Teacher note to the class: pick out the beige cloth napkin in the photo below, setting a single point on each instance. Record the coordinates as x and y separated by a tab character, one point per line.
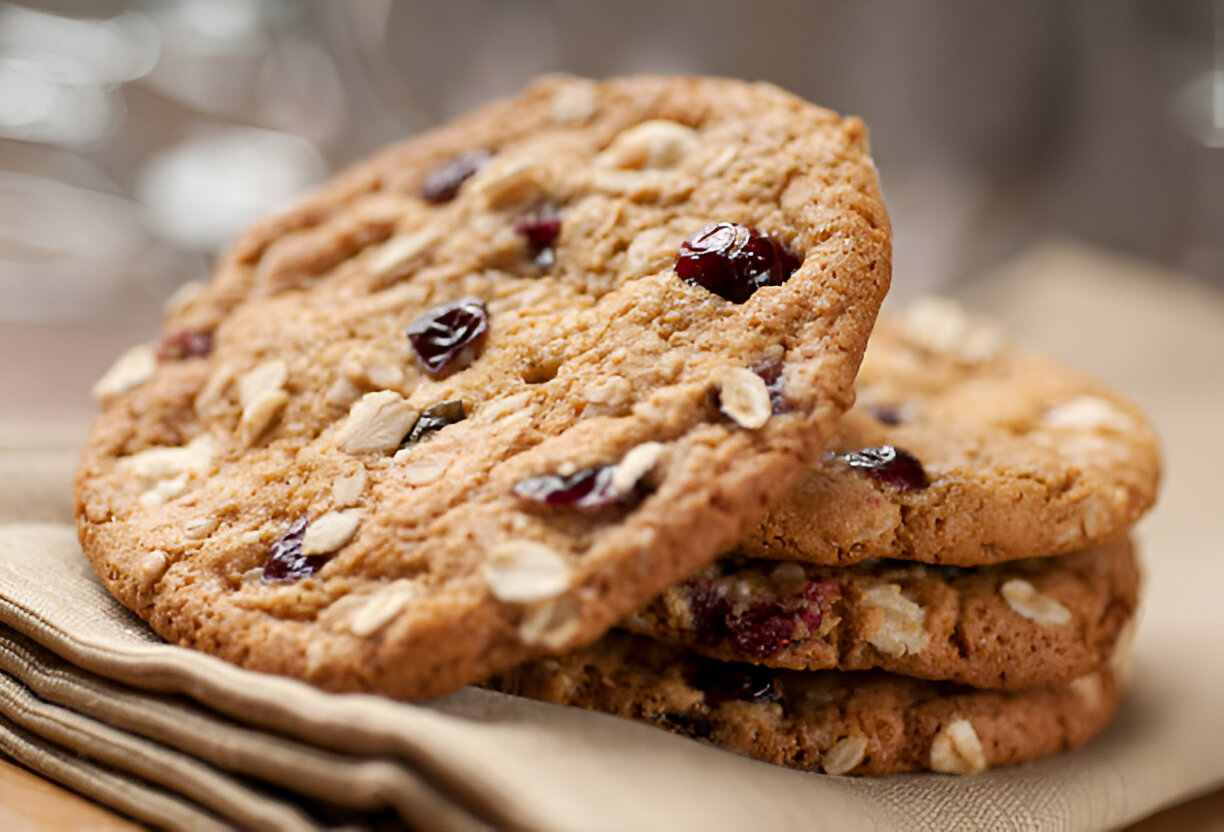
89	697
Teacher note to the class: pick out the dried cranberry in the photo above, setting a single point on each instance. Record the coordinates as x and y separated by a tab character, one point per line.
540	228
448	337
761	628
770	372
434	419
886	414
889	465
819	596
722	682
286	561
442	183
183	343
733	261
587	490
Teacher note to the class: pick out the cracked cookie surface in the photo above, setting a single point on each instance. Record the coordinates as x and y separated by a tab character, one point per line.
1040	621
964	450
458	408
866	722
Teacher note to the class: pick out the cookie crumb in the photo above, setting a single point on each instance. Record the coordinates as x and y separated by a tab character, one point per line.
163	473
943	327
506	181
131	369
200	527
263	378
522	570
636	464
330	532
260	413
654	144
1120	661
743	396
398	250
1088	413
182	296
422	472
377	422
1028	603
372	368
956	749
901	627
1090	689
347	490
152	566
845	754
551	622
382	607
574	102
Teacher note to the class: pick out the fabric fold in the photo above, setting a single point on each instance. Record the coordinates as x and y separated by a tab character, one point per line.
126	794
350	782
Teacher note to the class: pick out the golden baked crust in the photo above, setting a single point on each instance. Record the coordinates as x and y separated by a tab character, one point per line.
1023	456
267	440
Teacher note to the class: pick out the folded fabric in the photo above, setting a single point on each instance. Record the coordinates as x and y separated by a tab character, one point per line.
153	718
186	749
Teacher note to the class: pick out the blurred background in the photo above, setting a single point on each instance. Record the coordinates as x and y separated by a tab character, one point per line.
137	138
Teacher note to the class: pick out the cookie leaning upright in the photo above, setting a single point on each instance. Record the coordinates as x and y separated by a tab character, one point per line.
466	405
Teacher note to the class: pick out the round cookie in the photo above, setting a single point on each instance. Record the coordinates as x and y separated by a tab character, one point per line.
491	390
867	722
1025	623
1008	455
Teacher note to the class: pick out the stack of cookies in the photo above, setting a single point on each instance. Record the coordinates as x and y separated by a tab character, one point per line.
951	587
493	406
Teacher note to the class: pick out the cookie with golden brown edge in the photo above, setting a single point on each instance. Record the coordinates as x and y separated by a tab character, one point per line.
866	722
491	390
964	450
1020	624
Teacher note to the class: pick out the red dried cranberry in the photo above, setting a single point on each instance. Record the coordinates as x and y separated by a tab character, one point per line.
587	490
442	183
448	337
733	261
770	372
434	418
819	596
541	228
722	682
286	561
886	414
889	465
183	343
761	628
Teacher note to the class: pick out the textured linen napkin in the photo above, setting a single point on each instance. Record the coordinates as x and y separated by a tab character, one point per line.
91	698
